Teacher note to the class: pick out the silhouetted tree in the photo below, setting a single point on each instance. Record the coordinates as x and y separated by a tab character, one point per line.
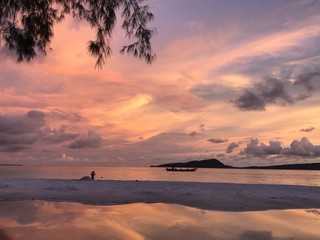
26	26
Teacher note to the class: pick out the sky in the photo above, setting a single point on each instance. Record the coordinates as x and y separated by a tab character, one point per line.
235	80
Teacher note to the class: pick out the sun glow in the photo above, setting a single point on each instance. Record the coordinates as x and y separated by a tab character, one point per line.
132	104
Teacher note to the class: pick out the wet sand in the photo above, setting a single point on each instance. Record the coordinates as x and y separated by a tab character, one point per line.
210	196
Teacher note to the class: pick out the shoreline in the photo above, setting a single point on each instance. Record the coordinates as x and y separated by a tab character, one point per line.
207	196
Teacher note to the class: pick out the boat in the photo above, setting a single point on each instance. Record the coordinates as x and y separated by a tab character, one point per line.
180	169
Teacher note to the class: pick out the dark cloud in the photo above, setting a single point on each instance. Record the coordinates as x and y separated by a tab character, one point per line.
305	78
193	133
231	147
17	142
22	132
52	135
255	148
256	235
89	140
292	84
302	148
18	132
273	90
309	129
249	101
220	155
302	97
217	140
28	123
270	91
200	129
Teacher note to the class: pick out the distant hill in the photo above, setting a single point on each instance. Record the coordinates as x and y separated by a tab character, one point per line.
303	166
214	163
8	164
209	163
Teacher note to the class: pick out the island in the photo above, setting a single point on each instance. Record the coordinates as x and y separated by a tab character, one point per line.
208	163
10	165
215	163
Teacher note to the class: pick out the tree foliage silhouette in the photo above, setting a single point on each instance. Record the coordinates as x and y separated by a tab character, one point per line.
26	26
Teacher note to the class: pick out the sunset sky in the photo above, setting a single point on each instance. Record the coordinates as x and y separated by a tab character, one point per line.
236	80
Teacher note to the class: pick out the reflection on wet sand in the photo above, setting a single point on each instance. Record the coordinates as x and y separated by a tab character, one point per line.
4	235
49	220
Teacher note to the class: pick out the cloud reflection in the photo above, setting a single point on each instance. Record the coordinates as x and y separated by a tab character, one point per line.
49	220
4	235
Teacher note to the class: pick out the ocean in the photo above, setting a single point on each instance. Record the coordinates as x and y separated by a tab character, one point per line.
249	176
66	220
51	221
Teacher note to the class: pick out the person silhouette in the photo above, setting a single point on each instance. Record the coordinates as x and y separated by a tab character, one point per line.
92	175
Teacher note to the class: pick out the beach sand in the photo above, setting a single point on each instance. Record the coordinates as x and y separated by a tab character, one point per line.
210	196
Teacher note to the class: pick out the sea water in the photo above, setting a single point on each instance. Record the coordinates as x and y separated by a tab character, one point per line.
38	220
250	176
